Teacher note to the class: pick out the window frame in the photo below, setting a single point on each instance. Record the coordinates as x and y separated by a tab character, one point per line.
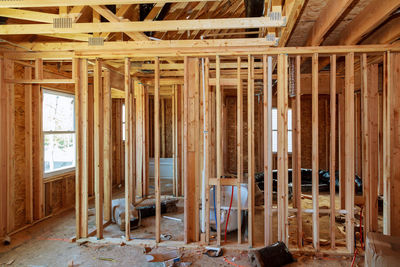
52	174
289	130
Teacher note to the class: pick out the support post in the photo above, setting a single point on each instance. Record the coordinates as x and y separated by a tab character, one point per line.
349	150
129	194
219	145
239	147
267	151
250	144
98	147
332	165
206	149
107	110
315	152
191	135
157	145
297	160
282	103
80	73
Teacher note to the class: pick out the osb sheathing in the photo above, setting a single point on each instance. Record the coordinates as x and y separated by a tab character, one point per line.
62	197
168	128
19	150
118	148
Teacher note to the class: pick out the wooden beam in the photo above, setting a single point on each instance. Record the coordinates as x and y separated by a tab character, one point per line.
239	144
282	104
332	164
58	3
146	142
82	134
98	147
41	81
174	141
142	49
71	36
315	153
326	19
293	10
139	26
297	160
250	149
386	34
77	11
39	69
206	148
372	16
28	15
157	146
191	148
342	161
154	11
132	136
267	150
111	17
139	88
129	193
386	94
108	151
349	150
219	154
121	11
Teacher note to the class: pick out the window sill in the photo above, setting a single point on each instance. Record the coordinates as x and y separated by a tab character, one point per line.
58	175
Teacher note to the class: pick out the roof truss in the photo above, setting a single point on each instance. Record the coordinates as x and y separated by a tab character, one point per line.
62	3
141	26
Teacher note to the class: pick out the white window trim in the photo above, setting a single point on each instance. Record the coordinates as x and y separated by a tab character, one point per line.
276	130
47	175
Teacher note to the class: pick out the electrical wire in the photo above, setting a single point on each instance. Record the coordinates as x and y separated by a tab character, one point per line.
354	258
229	212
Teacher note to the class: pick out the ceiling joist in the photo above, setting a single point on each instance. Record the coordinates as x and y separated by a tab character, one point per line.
106	13
60	3
28	15
370	18
143	26
328	17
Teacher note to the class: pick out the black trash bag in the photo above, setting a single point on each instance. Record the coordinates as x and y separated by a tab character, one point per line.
272	256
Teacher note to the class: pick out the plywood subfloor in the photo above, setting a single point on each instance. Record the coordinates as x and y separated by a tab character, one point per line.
47	244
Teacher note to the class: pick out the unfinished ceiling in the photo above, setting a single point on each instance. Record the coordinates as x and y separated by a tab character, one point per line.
286	23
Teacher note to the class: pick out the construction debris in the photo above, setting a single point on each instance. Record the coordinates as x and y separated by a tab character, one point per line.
213	252
168	258
172	218
118	214
275	255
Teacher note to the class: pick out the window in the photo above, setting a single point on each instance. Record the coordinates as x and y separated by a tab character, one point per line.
58	132
275	130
